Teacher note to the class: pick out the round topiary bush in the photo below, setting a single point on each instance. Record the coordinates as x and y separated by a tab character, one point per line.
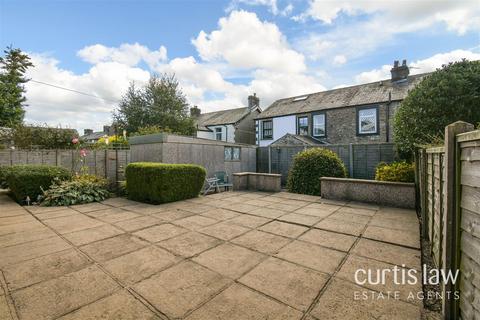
309	166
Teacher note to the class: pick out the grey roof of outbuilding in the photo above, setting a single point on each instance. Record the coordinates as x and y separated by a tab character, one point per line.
363	94
93	136
229	116
296	139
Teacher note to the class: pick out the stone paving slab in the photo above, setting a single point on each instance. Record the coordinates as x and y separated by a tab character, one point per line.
231	255
120	305
56	297
181	288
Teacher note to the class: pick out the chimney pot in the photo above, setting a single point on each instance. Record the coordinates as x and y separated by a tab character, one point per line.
399	72
253	101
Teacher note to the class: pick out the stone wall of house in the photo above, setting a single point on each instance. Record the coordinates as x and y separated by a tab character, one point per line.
245	130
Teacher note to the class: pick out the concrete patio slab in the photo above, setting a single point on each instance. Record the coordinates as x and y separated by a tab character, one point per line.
339	303
239	303
141	264
262	241
329	239
47	267
189	244
229	260
160	232
181	288
283	229
312	256
120	305
224	230
110	248
293	285
388	253
196	259
41	301
82	237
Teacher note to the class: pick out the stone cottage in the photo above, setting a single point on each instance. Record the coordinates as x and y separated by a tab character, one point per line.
357	114
232	125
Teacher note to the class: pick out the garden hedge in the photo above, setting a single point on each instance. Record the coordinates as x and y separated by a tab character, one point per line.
160	183
29	180
4	171
309	166
396	172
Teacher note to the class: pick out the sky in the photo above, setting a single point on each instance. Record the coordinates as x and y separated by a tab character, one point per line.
222	51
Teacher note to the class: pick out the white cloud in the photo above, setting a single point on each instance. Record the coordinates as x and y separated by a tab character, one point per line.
339	59
378	23
272	6
55	106
243	41
129	54
420	66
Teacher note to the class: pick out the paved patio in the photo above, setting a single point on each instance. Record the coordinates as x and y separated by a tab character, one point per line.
233	255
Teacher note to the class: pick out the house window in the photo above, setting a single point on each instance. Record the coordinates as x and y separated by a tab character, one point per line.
303	126
367	121
267	130
218	133
319	125
232	154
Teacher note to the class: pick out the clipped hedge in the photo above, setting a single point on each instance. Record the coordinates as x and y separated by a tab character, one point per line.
160	183
309	166
4	172
29	180
396	172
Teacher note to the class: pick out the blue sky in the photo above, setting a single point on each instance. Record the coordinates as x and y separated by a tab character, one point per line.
223	50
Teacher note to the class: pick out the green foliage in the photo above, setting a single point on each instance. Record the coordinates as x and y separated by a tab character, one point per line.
4	172
396	172
29	180
309	166
42	137
447	95
160	183
160	103
81	189
113	142
143	131
12	91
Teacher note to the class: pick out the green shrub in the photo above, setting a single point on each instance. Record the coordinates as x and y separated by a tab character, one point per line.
309	166
81	189
396	171
160	183
29	180
4	171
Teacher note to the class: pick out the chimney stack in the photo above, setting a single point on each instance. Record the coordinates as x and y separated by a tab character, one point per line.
87	131
253	101
399	72
195	112
106	129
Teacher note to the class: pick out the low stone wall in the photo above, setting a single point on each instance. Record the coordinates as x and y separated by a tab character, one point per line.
257	181
394	194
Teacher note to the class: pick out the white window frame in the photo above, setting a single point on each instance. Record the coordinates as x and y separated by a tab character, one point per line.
217	132
361	117
323	124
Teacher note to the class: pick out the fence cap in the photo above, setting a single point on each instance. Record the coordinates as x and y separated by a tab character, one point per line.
256	174
350	180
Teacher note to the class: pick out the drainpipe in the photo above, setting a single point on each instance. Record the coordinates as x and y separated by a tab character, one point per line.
226	133
387	124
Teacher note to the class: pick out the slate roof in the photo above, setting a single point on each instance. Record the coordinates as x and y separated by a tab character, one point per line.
229	116
296	139
363	94
93	136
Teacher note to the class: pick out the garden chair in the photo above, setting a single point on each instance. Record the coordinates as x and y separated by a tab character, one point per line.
212	183
222	177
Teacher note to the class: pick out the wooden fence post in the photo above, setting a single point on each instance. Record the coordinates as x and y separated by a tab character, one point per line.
350	160
449	244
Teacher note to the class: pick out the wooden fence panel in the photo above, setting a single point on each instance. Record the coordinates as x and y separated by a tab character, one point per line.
105	163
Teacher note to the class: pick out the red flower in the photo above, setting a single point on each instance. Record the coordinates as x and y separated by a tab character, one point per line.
83	153
75	140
